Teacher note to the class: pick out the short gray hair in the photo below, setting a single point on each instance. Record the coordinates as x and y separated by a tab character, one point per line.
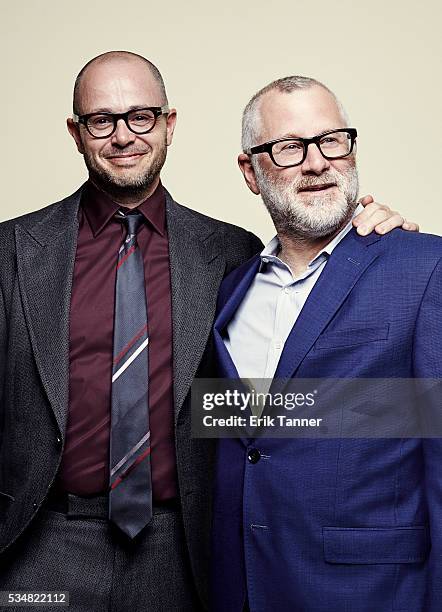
127	55
250	117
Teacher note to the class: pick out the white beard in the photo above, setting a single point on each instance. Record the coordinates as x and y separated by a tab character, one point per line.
311	215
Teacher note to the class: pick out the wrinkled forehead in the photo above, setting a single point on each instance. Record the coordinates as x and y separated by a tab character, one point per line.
303	113
118	85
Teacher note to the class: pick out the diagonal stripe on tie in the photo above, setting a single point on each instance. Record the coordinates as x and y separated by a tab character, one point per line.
129	345
127	363
126	256
126	473
132	451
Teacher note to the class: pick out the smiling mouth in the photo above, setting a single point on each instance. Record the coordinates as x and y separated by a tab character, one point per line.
318	187
126	156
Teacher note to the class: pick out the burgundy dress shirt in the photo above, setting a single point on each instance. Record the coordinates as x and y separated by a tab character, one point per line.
84	469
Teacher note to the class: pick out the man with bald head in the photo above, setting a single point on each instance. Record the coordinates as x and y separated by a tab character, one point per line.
126	166
107	300
106	304
311	517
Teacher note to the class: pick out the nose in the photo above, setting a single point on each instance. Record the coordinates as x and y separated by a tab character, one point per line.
122	135
314	163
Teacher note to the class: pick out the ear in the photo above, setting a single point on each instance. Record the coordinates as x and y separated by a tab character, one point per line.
245	165
74	131
170	125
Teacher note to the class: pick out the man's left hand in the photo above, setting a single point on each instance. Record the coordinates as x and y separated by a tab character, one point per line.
380	218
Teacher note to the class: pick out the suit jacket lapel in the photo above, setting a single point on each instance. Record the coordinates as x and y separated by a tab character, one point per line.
197	267
45	263
229	304
347	263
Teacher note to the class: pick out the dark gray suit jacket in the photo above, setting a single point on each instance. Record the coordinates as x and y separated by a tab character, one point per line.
37	254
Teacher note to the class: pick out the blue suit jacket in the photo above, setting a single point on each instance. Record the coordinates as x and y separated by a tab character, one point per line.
339	525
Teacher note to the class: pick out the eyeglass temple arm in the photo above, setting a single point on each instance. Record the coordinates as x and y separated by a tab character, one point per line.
258	149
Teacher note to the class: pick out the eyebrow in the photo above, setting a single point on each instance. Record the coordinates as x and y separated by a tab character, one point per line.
293	135
112	112
290	135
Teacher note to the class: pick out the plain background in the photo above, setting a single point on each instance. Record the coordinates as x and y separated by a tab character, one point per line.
382	58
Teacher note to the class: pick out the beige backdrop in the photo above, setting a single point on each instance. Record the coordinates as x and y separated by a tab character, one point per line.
382	57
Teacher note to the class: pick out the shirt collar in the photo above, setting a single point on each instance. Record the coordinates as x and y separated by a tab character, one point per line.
99	208
270	252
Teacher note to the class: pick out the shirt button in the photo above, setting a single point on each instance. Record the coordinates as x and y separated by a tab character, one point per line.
265	260
286	290
278	346
253	455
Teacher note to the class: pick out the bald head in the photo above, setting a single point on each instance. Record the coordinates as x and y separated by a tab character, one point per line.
123	62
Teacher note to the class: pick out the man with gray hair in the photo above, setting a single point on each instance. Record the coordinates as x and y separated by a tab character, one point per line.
285	200
302	523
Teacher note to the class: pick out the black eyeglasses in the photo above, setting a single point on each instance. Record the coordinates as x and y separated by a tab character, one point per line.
289	152
138	121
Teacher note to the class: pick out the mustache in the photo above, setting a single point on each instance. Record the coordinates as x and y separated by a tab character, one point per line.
312	181
125	151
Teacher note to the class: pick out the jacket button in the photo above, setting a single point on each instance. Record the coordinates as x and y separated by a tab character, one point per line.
253	455
35	505
58	442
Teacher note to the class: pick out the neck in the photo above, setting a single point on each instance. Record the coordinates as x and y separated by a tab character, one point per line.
298	251
129	198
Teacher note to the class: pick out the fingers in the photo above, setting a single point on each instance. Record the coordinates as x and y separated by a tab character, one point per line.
384	227
369	209
368	199
410	226
380	218
375	214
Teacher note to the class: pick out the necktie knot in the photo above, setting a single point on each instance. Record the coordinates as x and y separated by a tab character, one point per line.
133	221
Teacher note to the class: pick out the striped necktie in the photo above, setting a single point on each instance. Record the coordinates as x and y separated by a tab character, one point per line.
130	483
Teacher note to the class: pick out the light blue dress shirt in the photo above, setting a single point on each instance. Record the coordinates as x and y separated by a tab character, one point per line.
257	333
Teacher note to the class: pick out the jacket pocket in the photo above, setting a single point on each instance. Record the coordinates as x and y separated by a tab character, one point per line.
365	545
349	337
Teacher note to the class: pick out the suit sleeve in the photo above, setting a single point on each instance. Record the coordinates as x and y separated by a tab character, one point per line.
427	359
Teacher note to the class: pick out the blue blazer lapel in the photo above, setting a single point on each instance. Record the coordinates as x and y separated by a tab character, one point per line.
347	263
231	295
233	289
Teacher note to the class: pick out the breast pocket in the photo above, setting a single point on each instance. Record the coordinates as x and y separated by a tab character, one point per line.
351	336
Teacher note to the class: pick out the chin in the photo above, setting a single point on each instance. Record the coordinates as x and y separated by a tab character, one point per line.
126	178
316	218
320	200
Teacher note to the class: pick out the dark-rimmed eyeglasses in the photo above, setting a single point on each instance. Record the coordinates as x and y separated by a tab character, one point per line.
138	121
289	152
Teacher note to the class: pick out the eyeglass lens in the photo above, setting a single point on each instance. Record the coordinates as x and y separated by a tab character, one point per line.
289	152
139	121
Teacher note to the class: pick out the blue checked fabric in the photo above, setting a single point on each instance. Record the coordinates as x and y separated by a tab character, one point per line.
130	483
